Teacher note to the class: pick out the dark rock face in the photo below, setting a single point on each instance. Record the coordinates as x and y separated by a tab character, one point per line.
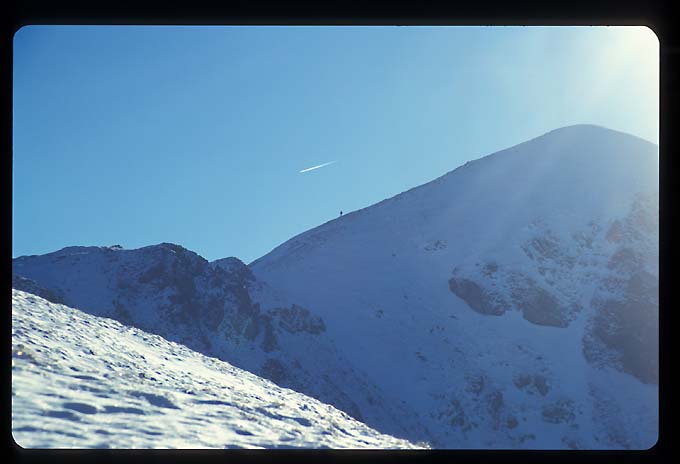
623	331
456	415
615	232
541	385
559	411
543	247
269	342
521	381
475	296
475	384
240	273
532	384
628	329
496	406
298	319
192	300
211	299
625	260
538	306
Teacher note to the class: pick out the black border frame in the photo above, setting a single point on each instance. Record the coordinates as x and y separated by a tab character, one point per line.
656	15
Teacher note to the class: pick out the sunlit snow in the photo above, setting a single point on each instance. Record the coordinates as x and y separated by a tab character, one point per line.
80	381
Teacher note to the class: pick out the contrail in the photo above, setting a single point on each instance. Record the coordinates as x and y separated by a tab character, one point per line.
319	166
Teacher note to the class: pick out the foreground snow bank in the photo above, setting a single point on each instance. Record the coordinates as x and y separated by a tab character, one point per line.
80	381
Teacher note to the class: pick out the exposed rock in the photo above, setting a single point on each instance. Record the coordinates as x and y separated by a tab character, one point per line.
541	385
625	260
475	384
522	381
623	330
490	269
495	400
456	415
559	411
526	437
298	319
532	384
496	405
435	245
236	269
538	306
476	297
269	342
615	232
543	247
630	329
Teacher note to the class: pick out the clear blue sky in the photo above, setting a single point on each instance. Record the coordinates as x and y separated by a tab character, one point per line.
196	135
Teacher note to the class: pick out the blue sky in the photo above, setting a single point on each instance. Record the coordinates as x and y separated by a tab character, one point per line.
197	135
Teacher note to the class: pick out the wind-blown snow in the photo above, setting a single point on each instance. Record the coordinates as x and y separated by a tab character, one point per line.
81	381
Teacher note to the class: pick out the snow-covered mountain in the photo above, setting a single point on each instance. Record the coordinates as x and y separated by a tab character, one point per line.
218	309
82	381
511	303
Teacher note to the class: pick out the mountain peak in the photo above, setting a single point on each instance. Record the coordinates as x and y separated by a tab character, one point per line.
234	266
588	132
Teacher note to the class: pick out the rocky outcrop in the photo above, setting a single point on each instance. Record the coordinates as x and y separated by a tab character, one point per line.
297	319
519	292
559	411
538	306
532	384
623	331
476	297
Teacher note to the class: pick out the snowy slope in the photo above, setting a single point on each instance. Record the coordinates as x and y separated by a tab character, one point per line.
218	309
81	381
512	302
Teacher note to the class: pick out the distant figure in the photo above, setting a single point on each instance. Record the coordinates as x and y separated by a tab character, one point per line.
340	213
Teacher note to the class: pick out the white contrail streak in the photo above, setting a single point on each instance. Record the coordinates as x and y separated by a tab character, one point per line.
319	166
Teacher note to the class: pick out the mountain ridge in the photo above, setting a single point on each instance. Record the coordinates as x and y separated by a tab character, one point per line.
592	128
453	312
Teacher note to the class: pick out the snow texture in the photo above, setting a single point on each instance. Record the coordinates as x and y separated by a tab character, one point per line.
81	381
536	266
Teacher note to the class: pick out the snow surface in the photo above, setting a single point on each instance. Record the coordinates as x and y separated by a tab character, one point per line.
218	309
531	219
81	381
